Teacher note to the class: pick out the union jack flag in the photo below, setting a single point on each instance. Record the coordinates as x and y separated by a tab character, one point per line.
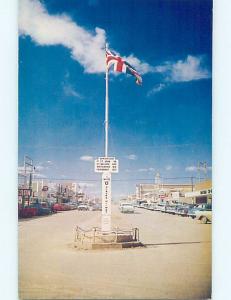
119	65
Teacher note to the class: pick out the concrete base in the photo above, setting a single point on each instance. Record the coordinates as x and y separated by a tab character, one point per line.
116	245
96	239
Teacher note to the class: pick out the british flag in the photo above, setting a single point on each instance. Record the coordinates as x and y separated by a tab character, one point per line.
119	65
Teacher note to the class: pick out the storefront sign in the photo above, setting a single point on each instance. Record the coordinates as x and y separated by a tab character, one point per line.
24	192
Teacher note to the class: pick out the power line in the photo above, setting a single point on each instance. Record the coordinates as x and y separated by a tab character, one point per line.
119	180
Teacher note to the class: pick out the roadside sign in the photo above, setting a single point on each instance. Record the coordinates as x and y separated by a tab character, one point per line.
106	164
24	192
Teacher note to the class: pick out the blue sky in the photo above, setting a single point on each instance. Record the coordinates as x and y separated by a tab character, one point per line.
163	125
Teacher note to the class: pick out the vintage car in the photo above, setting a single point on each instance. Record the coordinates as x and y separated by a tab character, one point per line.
41	209
201	207
72	205
204	215
170	209
83	207
127	208
61	207
96	207
152	206
26	212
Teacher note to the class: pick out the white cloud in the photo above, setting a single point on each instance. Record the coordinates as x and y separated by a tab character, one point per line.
131	157
44	165
156	89
168	168
39	168
191	169
86	158
142	170
141	67
39	175
192	68
83	185
146	170
86	47
47	30
71	92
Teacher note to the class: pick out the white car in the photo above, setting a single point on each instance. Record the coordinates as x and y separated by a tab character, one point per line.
127	208
83	207
204	216
159	207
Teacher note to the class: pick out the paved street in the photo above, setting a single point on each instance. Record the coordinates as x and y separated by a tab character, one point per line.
176	264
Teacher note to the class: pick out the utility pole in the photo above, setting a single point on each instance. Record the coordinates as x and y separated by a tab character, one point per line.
28	162
192	183
202	166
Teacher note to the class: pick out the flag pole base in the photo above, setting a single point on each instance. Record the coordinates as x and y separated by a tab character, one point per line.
95	238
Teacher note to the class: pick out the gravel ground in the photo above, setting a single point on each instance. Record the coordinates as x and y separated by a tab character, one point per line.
176	264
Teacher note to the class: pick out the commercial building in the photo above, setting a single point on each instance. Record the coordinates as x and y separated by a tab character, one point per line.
193	192
161	192
202	193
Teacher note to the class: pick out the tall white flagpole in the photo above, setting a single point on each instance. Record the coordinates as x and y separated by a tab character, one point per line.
106	176
106	109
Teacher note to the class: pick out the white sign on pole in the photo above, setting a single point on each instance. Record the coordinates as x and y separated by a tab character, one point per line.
106	202
106	164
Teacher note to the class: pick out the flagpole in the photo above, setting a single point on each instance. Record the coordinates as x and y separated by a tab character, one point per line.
106	110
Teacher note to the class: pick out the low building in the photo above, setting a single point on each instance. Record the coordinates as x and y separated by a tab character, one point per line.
160	192
202	193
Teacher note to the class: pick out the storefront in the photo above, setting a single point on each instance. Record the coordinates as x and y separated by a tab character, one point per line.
202	193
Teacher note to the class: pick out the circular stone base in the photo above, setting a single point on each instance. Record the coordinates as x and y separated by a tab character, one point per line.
116	239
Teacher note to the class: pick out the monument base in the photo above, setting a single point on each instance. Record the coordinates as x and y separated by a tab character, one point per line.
94	239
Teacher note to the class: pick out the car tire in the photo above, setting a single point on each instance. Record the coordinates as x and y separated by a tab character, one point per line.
203	220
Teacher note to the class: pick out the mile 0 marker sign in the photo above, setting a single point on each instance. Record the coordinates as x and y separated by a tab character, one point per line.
106	164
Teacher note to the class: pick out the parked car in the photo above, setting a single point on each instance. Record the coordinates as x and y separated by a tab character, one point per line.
170	209
143	204
159	207
152	206
127	208
83	207
164	208
26	212
60	207
204	215
72	205
183	209
179	209
201	207
41	210
96	207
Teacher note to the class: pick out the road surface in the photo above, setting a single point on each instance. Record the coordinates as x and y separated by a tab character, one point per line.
176	263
